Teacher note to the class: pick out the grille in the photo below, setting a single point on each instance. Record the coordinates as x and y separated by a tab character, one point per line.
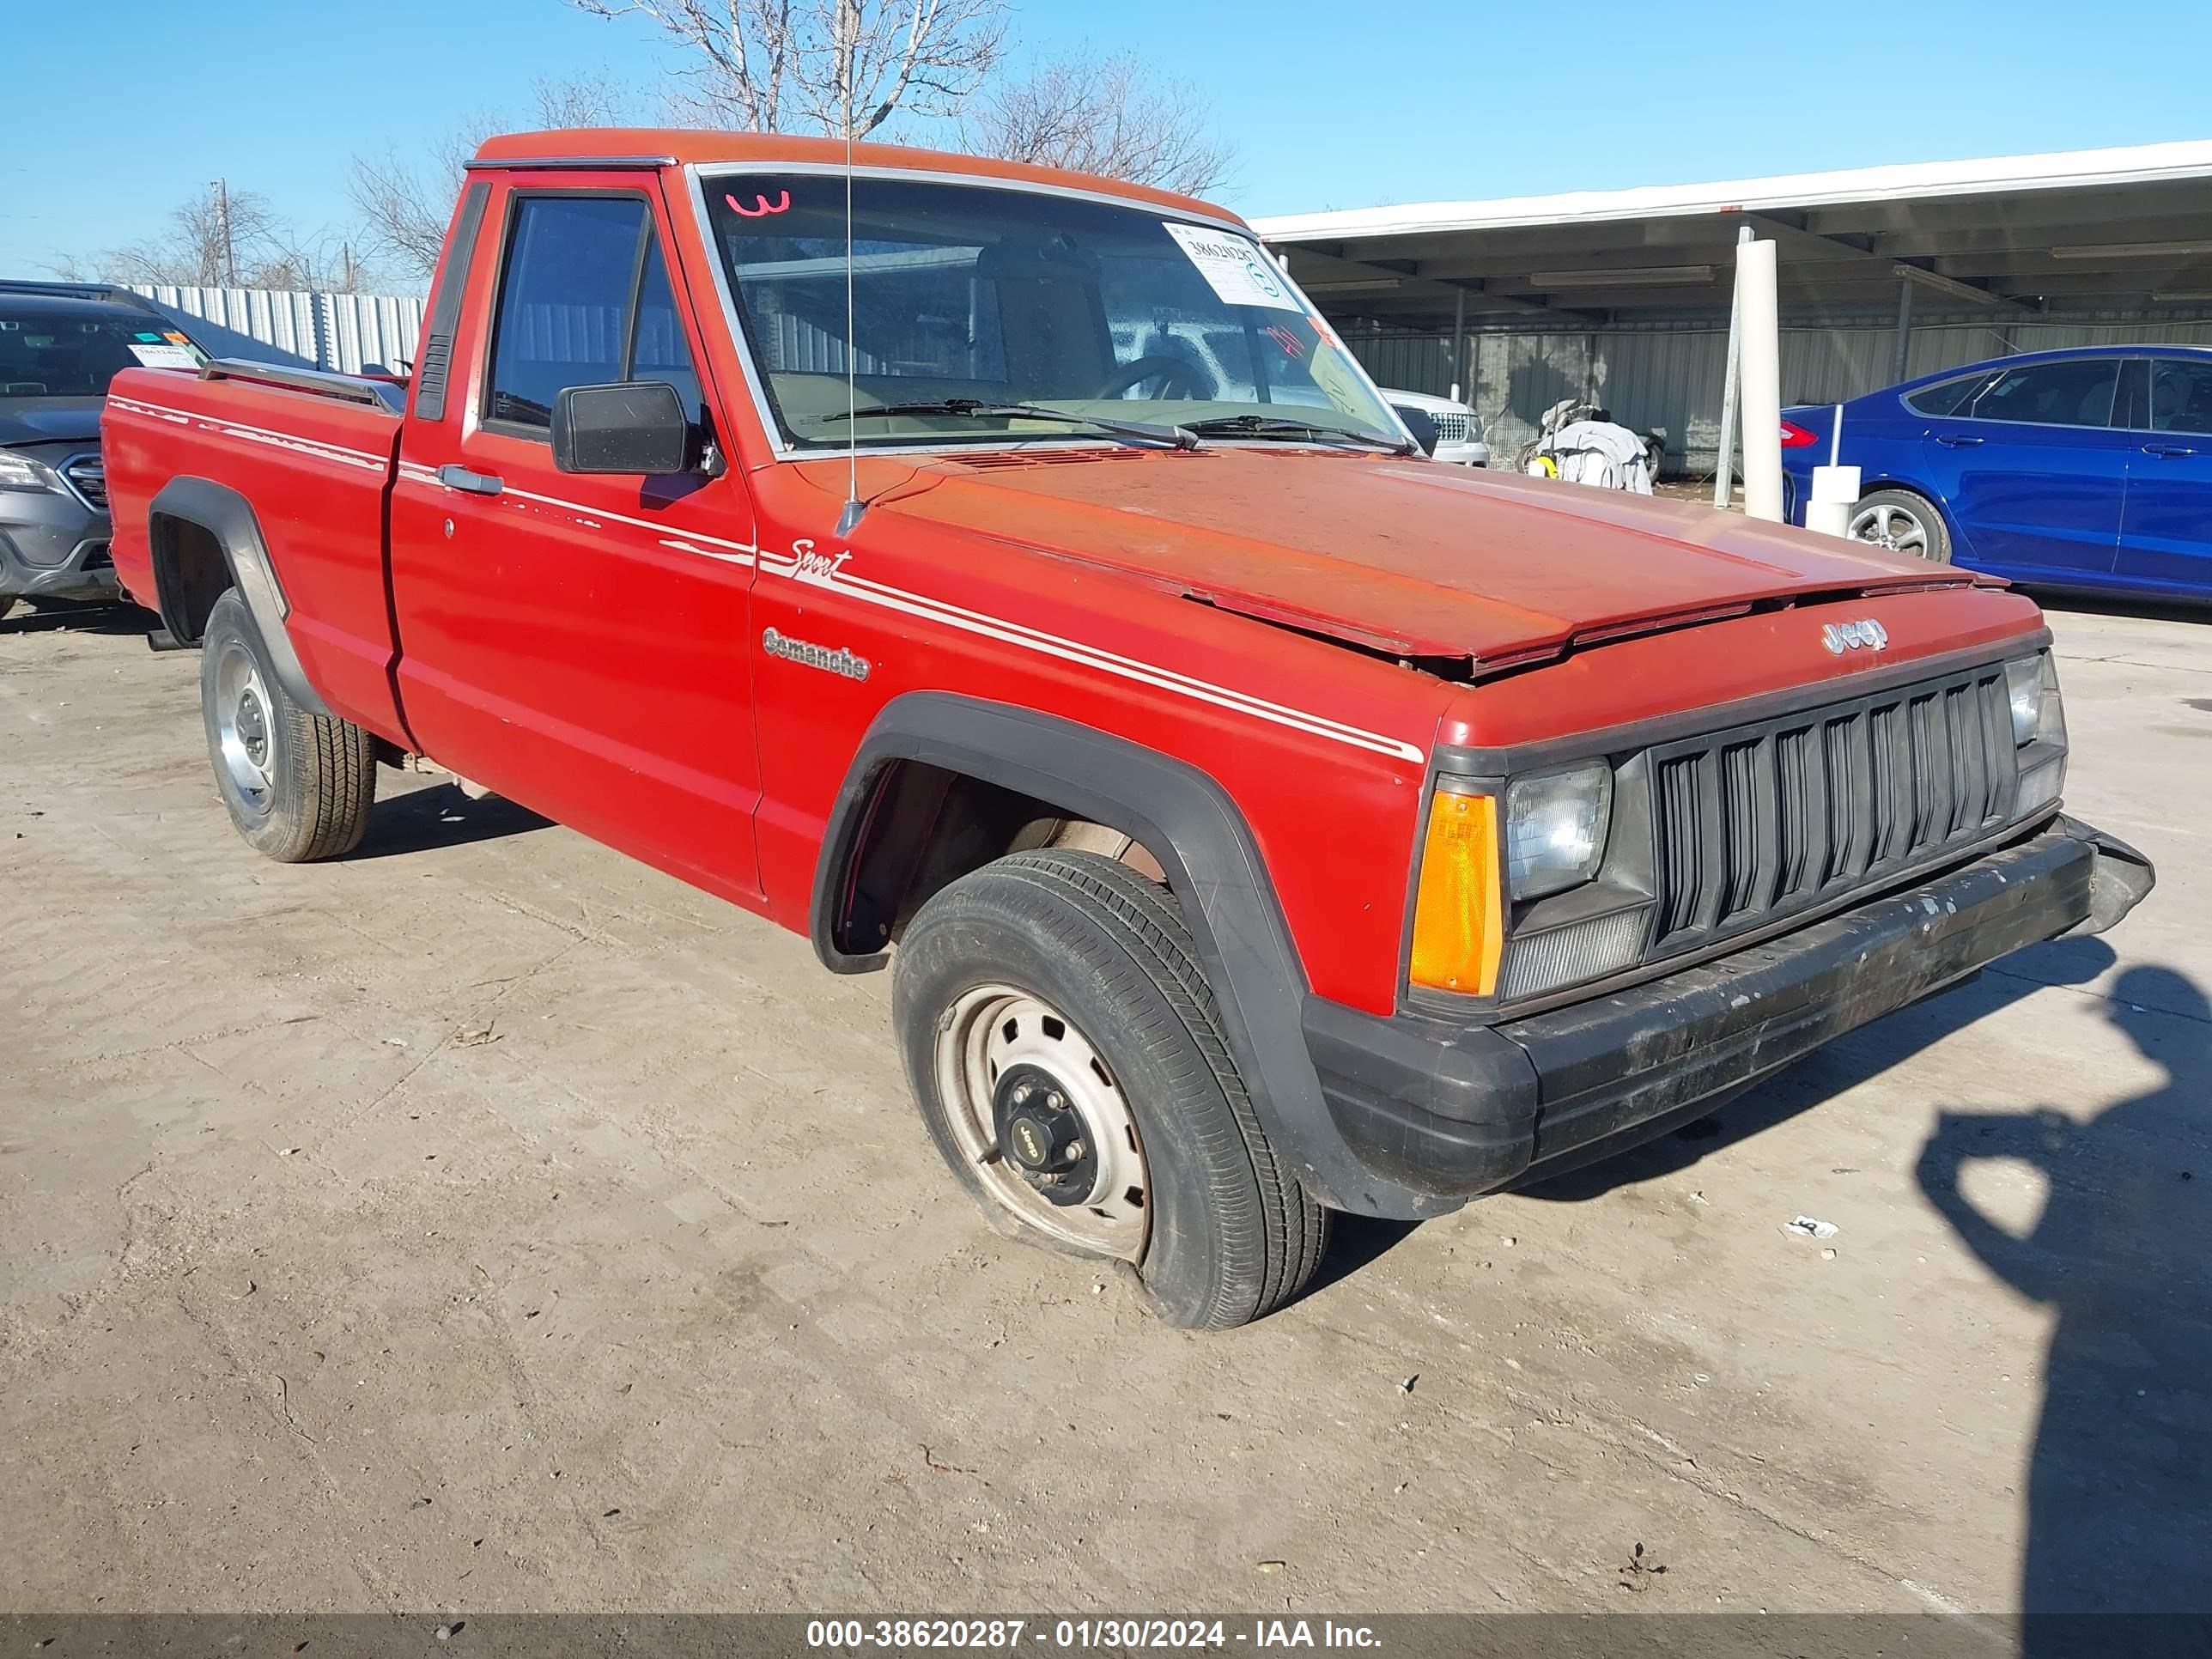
1752	823
97	557
89	479
1452	429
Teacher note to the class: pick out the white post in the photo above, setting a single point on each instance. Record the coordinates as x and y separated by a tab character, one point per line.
1723	483
1762	381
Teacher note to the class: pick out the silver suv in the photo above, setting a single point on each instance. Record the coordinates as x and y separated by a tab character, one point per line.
59	345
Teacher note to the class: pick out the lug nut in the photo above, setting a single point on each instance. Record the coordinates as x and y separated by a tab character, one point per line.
1075	1152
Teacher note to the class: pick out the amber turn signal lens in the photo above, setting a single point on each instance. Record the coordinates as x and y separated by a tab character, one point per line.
1458	928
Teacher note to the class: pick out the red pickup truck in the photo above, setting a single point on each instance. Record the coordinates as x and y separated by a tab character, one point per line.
1009	576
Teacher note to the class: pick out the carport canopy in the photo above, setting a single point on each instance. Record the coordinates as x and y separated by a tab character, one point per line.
2020	236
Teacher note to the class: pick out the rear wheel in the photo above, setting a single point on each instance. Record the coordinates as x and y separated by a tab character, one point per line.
299	786
1063	1044
1901	521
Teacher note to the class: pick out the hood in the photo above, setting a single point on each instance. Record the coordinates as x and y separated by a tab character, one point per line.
49	420
1403	558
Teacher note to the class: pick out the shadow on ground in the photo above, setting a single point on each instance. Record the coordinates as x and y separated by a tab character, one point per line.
441	816
2118	1520
72	616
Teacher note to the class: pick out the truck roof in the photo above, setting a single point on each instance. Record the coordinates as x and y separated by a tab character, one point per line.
571	147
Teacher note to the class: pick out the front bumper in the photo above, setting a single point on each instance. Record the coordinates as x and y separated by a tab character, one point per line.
1449	1111
52	546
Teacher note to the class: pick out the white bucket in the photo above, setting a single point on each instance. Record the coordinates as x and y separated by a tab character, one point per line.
1835	483
1829	518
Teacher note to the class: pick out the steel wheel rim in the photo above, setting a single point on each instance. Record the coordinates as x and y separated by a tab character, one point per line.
245	728
986	1033
1886	525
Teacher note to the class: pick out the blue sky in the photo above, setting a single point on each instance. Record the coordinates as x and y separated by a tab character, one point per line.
1329	104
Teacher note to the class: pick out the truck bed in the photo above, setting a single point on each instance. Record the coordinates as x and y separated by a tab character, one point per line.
315	458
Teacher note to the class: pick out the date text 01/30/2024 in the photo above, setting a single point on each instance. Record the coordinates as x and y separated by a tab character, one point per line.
1260	1635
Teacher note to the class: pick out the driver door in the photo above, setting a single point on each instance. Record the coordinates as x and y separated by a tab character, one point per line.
578	643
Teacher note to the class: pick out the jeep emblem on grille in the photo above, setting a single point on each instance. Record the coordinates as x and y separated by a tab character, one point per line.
1868	635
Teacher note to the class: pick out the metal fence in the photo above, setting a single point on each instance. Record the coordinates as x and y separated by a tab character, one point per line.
1669	375
348	332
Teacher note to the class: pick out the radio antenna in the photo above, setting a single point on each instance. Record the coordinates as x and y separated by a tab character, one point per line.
854	507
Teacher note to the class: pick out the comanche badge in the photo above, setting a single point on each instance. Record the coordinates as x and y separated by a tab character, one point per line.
809	655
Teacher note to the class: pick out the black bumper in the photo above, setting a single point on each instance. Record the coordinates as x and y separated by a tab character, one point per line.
1450	1110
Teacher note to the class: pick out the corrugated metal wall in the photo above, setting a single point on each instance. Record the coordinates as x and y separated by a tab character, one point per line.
344	331
1669	375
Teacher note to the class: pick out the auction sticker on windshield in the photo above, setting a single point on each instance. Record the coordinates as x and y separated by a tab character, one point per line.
1233	268
161	354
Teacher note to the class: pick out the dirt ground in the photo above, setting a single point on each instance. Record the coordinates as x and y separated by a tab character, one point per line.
486	1221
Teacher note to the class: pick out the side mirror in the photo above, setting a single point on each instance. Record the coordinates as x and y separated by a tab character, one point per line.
632	426
1421	425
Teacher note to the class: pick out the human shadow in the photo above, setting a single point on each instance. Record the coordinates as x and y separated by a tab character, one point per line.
441	816
1848	1061
2119	1490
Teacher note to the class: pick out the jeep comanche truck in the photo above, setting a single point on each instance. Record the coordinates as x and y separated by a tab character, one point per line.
1259	819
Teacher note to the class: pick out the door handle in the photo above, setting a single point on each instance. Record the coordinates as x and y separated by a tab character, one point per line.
1958	440
477	484
2167	449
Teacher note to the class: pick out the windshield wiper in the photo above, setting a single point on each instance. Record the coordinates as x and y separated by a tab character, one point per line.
976	409
1269	426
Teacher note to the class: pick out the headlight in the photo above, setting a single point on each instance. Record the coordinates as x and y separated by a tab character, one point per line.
1555	828
21	472
2032	688
2024	686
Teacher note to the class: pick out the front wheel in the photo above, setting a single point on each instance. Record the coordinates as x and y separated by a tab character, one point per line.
1901	521
1063	1044
299	786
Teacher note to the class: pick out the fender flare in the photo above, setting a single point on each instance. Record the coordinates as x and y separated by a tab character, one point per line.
1214	869
229	518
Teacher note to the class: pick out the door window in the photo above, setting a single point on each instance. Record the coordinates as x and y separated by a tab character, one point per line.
2180	396
584	300
2076	393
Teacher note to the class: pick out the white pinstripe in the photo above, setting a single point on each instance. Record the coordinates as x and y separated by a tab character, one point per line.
789	568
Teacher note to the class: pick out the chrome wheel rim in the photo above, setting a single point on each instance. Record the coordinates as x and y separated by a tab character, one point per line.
1886	525
999	1049
245	729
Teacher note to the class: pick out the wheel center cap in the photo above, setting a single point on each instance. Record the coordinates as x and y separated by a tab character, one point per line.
1043	1134
1029	1141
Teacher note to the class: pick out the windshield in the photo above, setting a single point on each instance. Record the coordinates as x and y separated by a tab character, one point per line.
1017	296
52	352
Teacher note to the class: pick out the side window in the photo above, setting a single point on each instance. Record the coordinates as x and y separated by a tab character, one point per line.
659	350
1948	397
2077	394
584	300
2180	396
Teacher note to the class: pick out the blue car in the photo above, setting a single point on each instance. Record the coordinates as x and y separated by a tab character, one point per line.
2086	468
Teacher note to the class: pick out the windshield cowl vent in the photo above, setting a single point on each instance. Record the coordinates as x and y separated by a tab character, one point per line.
1004	458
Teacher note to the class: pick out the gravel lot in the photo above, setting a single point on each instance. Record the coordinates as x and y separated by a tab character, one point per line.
487	1222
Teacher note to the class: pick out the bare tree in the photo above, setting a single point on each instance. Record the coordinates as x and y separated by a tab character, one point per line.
1104	116
836	66
404	203
225	237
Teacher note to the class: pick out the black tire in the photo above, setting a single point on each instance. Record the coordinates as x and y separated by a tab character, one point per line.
318	773
1930	538
1231	1235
